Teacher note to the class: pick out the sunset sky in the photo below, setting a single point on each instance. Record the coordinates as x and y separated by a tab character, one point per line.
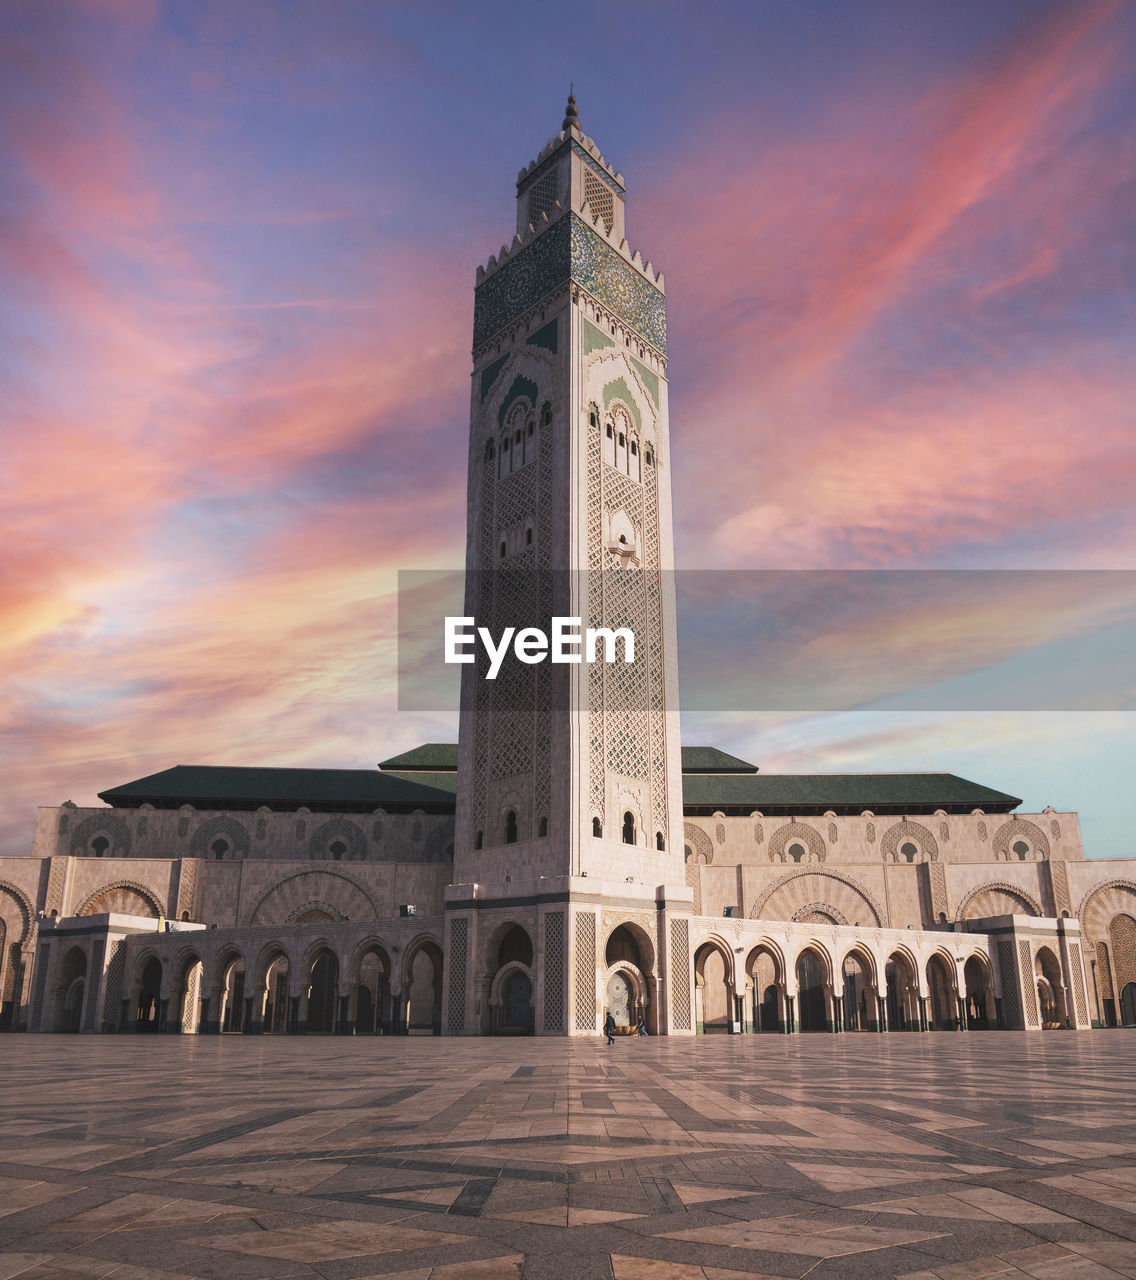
237	256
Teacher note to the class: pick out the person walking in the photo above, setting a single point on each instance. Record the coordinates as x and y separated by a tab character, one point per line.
609	1028
641	1027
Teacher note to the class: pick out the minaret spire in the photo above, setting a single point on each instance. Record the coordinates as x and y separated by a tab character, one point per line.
571	115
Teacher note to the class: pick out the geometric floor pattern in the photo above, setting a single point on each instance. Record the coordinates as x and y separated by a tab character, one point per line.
941	1156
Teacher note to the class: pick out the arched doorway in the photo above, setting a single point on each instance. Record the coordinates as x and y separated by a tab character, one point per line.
979	997
1128	1005
714	997
859	993
323	993
71	989
371	993
276	979
940	984
902	993
1050	990
186	992
511	1011
147	1013
422	990
629	957
233	997
811	1003
767	990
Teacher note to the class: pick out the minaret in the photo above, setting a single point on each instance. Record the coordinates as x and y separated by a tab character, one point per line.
567	772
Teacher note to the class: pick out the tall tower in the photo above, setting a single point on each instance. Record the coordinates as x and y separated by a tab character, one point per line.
569	775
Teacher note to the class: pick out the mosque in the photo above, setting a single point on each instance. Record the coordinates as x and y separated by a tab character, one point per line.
568	857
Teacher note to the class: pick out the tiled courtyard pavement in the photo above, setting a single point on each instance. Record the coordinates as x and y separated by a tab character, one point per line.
951	1156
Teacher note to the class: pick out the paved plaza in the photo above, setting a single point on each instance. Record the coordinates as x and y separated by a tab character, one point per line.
940	1155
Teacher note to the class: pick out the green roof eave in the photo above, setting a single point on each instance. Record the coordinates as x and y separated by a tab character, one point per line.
850	792
321	790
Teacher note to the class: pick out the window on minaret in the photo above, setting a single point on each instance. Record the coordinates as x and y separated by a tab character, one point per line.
478	839
544	826
511	827
628	828
610	431
503	549
660	844
597	827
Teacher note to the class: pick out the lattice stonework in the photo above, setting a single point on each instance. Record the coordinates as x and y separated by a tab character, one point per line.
938	877
476	601
596	788
599	195
1029	983
187	884
1122	933
1060	882
459	946
585	967
694	881
680	975
1104	977
115	975
1011	1009
94	982
542	196
189	1005
37	1010
56	879
554	971
1078	974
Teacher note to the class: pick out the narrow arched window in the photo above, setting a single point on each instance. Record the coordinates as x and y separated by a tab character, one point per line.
528	537
597	827
502	549
591	419
337	849
622	439
220	848
610	431
659	842
478	840
489	451
511	827
634	447
99	846
544	826
649	456
629	828
532	427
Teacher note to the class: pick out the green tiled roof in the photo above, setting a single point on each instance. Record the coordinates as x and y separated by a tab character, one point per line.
439	757
322	790
426	778
443	756
847	792
711	760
